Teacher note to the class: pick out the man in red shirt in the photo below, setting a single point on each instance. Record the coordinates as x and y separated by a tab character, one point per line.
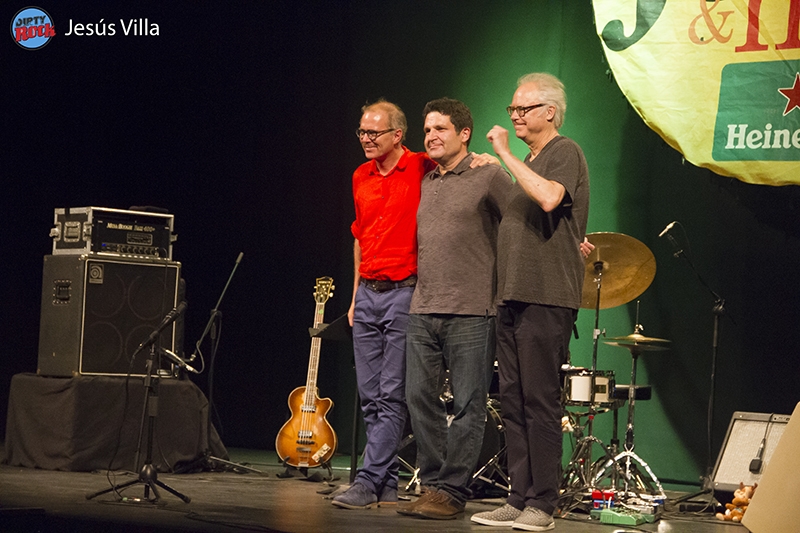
386	191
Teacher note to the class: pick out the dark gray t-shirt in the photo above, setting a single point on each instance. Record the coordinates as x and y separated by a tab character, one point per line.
538	253
457	221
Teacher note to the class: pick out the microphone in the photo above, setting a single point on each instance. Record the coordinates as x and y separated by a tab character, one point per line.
169	318
666	230
172	356
755	464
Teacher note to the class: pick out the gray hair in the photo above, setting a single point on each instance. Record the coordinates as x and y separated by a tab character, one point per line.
397	119
551	91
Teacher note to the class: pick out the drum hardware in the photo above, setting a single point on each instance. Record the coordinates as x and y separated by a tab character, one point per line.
413	483
492	470
625	465
491	465
446	394
619	269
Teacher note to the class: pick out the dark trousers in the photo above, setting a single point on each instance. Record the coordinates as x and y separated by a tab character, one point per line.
532	344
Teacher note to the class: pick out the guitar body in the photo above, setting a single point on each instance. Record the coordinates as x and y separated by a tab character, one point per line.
307	439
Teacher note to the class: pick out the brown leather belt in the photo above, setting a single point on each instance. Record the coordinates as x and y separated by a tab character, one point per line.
383	285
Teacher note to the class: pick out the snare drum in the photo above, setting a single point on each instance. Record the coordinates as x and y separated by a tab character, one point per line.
578	387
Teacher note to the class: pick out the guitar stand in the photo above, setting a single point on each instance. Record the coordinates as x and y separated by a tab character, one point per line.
289	471
148	475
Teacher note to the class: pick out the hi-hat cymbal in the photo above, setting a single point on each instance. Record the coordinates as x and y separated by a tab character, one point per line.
636	342
627	266
639	347
637	338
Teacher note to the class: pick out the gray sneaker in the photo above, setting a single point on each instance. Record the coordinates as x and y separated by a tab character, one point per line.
502	516
357	496
533	519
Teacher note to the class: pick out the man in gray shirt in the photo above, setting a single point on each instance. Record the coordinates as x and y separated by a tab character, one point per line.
539	287
452	316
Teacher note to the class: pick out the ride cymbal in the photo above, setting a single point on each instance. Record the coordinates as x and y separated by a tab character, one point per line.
627	266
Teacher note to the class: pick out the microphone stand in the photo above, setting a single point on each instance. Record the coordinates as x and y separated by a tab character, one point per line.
717	310
208	461
148	475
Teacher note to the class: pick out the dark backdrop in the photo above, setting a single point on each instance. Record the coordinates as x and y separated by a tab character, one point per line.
233	119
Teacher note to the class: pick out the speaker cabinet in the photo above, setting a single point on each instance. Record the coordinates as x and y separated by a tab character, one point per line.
745	434
96	311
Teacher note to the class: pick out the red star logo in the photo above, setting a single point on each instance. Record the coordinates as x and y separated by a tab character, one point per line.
792	95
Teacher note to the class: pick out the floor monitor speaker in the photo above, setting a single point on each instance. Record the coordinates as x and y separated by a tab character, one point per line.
749	444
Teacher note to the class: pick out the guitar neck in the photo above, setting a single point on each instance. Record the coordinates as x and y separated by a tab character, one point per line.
313	358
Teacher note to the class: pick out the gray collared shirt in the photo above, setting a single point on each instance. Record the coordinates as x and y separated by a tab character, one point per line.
457	221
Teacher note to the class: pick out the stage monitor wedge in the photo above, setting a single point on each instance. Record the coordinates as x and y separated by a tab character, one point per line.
746	432
96	311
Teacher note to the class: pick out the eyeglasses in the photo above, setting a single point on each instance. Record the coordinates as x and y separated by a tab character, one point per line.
522	110
371	134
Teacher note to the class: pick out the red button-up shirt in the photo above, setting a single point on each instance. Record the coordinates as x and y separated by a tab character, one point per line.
386	216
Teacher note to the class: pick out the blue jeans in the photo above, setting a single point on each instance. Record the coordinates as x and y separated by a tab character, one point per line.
379	345
447	455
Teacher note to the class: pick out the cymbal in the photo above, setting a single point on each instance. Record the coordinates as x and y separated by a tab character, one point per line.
637	338
627	266
639	347
636	342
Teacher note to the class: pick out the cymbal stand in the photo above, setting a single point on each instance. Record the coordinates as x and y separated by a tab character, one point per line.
624	464
578	476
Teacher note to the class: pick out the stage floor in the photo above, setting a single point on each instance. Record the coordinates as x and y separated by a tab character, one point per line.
43	500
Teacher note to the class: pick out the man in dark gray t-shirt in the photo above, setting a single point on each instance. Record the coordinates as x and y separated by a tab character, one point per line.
540	279
452	316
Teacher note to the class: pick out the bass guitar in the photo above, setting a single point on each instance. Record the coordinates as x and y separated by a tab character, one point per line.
307	440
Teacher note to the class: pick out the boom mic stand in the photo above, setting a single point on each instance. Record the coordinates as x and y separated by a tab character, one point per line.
208	460
717	310
148	475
